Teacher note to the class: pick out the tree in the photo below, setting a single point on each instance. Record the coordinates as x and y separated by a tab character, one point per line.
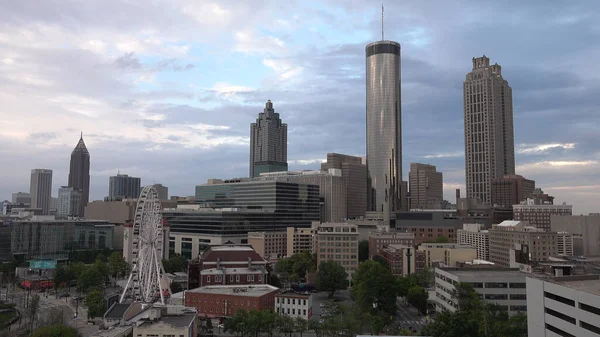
417	297
32	310
300	325
441	239
117	265
286	325
176	288
96	304
331	277
316	327
297	265
374	288
58	330
89	278
379	259
363	250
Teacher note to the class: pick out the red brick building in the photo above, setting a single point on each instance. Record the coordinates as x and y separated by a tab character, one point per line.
403	260
227	265
380	239
225	300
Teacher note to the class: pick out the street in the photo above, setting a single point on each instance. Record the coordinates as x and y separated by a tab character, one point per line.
408	316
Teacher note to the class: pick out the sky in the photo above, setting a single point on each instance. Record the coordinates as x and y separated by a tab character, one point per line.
166	90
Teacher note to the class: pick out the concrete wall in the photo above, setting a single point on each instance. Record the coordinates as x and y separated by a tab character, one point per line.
585	229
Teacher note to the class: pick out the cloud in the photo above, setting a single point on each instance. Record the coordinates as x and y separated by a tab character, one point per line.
445	155
531	149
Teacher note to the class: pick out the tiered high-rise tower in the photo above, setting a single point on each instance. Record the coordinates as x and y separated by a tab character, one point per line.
79	175
268	143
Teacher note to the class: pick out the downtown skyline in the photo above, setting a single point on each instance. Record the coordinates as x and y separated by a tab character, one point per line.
169	108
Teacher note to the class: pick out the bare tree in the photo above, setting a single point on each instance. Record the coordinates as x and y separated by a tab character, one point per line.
32	311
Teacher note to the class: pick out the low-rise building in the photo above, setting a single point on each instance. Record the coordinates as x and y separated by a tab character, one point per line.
225	300
428	225
294	304
403	260
380	239
301	239
534	242
585	230
338	242
563	306
537	214
447	254
269	245
504	287
564	242
474	235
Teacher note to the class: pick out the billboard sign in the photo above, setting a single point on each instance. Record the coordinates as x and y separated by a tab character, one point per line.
42	264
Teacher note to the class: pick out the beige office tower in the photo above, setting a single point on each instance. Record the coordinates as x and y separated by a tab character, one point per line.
426	187
489	136
355	173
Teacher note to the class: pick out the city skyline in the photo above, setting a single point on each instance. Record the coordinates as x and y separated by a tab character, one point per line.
153	105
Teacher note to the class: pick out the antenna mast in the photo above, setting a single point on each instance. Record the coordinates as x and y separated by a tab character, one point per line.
382	22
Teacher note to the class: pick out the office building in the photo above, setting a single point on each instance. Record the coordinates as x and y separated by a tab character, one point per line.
79	175
41	189
338	242
163	191
123	186
489	135
355	173
402	259
474	235
332	190
21	198
536	244
301	239
502	286
426	187
226	300
447	254
430	224
563	306
384	128
585	230
380	239
268	143
269	245
294	304
69	201
510	190
46	238
538	215
564	243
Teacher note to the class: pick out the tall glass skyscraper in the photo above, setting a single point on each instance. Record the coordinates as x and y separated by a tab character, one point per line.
384	126
79	175
268	143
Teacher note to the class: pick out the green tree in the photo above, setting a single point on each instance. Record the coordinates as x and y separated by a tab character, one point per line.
417	297
32	311
117	265
316	327
176	288
441	239
374	288
331	277
297	265
363	250
96	304
58	330
286	325
300	325
379	259
90	278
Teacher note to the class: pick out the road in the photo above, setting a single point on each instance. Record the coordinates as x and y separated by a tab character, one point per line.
409	317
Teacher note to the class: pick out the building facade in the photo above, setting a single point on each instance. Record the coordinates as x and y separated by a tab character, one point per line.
338	242
69	201
585	230
301	239
45	238
380	239
123	186
564	242
510	235
538	215
355	173
41	189
403	260
563	306
473	235
79	175
426	187
447	254
501	286
268	143
225	300
489	135
384	127
163	191
21	198
510	190
269	245
332	190
294	305
429	225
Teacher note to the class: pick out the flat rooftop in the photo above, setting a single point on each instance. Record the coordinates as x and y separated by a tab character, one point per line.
588	286
231	248
485	273
238	290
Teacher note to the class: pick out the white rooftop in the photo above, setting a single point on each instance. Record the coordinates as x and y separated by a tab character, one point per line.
231	271
509	223
238	290
231	248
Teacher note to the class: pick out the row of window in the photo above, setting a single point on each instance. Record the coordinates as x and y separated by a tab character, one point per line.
293	301
249	278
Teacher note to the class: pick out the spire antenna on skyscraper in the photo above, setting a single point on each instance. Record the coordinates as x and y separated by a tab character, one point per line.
382	22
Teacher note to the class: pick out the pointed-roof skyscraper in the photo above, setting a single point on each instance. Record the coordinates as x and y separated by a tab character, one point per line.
79	174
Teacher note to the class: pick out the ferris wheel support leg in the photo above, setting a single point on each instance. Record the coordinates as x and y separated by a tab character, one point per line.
128	284
159	278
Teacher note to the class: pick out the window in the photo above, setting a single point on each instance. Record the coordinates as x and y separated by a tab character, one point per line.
560	299
518	285
237	278
589	308
293	311
231	278
208	279
518	296
293	301
590	327
558	331
304	312
560	315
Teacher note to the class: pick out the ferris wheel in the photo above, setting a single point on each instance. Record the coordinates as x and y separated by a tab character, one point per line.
145	282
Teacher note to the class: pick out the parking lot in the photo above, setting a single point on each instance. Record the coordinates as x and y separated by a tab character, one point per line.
341	297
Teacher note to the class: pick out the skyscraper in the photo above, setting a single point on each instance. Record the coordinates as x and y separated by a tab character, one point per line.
426	186
163	191
124	186
79	175
355	173
268	143
40	188
384	125
489	136
69	201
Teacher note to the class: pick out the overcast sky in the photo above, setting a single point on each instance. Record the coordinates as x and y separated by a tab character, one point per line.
166	90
